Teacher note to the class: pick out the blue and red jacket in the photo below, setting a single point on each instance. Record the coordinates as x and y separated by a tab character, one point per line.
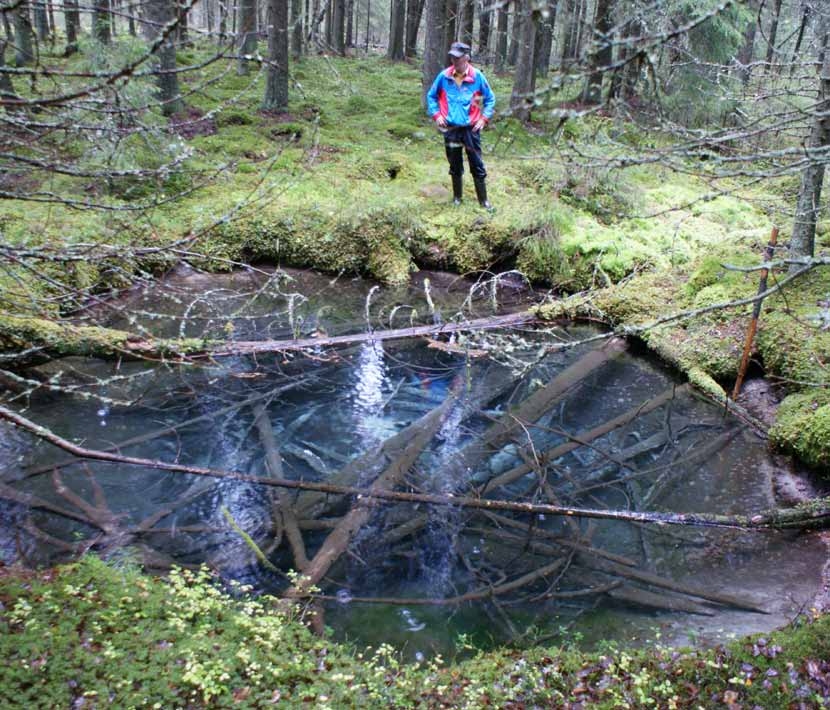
461	105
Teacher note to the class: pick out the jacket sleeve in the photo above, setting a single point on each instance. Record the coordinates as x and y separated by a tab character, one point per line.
489	98
432	98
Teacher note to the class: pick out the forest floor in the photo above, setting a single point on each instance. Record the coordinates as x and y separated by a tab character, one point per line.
118	638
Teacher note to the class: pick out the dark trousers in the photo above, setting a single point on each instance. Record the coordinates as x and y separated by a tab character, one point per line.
457	139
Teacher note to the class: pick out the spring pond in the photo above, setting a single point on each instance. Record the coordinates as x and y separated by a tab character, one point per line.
522	580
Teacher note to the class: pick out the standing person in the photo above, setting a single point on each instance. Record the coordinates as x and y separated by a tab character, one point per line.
461	102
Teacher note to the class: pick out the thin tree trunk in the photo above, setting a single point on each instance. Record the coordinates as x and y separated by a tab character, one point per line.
182	29
805	20
809	205
772	35
223	19
601	53
276	78
451	25
544	40
338	26
414	13
501	38
396	34
7	27
102	27
72	20
247	33
515	30
747	53
521	99
485	15
53	30
160	13
350	23
6	86
468	16
131	10
296	29
23	35
434	47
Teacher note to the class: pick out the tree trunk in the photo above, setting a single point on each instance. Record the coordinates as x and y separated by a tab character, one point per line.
808	209
350	4
160	13
434	48
6	86
23	36
773	33
7	27
181	30
484	19
515	29
468	16
501	38
414	13
524	82
223	19
805	20
544	40
276	79
396	30
41	21
131	10
338	27
296	29
247	34
72	20
450	25
747	52
601	52
102	28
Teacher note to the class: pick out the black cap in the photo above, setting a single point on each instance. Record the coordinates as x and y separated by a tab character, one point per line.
459	49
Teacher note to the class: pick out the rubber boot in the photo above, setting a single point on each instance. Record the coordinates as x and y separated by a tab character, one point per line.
457	189
481	194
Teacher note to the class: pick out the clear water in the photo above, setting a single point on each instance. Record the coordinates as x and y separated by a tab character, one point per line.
327	409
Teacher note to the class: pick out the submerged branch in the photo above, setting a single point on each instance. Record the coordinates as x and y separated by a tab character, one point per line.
814	514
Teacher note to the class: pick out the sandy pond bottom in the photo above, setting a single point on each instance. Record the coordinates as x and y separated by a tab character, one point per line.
326	410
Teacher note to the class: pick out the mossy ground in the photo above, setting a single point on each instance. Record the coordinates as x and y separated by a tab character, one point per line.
95	634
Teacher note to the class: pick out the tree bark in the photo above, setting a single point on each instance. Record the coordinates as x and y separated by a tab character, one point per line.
276	79
6	86
247	33
808	208
772	35
72	21
451	25
524	82
23	36
350	5
41	21
102	28
414	13
397	19
468	10
338	27
296	29
434	49
502	19
160	13
747	52
485	15
601	53
544	40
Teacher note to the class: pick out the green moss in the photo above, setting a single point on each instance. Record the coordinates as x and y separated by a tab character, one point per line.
105	632
802	427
